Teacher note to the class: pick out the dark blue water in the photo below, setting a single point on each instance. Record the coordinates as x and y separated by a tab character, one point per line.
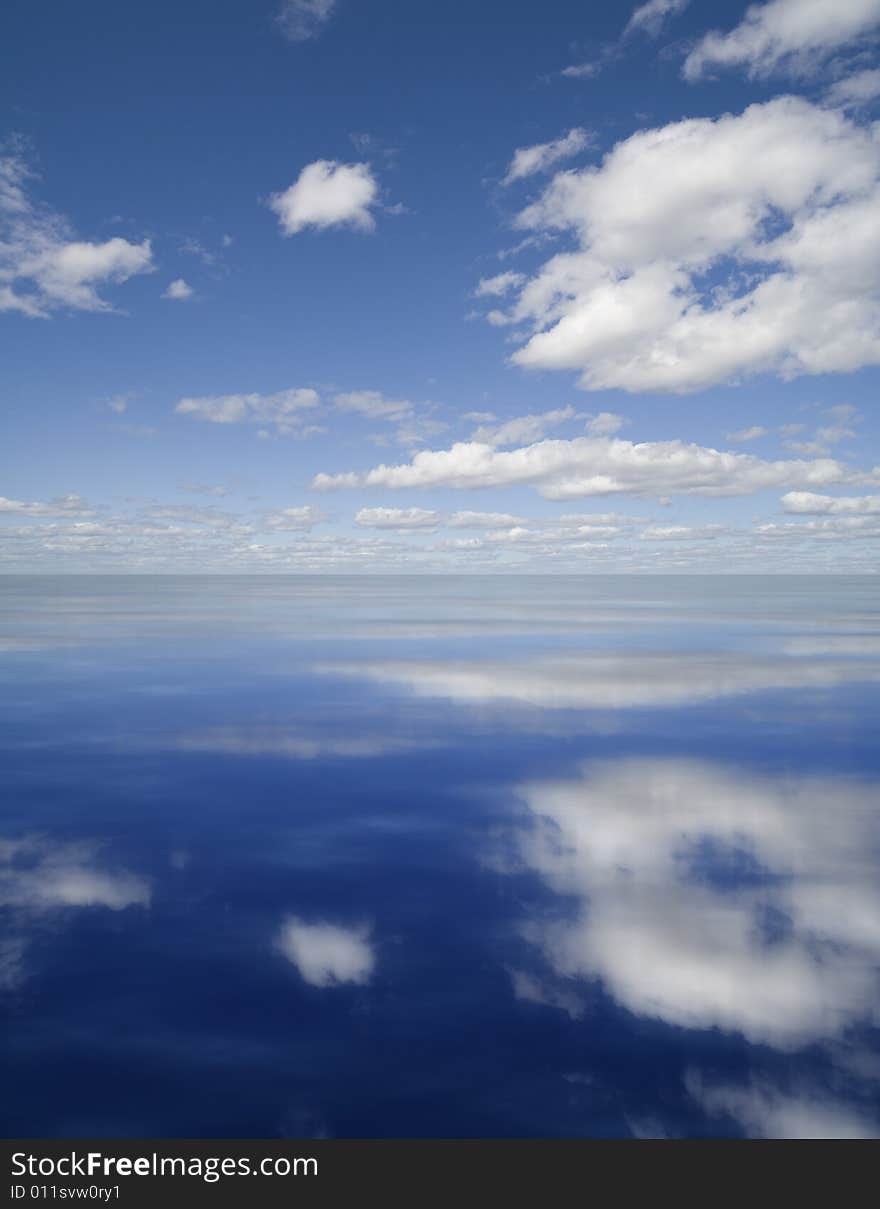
462	856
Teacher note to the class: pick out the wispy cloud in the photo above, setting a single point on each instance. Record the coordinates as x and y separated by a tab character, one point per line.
43	266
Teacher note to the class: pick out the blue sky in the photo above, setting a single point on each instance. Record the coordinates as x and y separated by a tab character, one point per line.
378	285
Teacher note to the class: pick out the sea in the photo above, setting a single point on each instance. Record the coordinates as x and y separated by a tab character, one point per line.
440	856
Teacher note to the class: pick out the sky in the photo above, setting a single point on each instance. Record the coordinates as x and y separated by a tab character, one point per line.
368	285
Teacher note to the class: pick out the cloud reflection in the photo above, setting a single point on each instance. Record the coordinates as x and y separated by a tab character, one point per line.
39	877
326	954
708	898
576	680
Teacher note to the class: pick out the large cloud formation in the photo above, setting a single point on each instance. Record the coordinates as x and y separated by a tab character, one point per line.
587	466
711	249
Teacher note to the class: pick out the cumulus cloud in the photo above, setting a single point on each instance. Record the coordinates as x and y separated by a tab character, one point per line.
284	410
302	20
43	267
328	194
538	158
400	519
587	466
523	428
808	502
711	249
651	17
788	35
179	291
326	954
628	841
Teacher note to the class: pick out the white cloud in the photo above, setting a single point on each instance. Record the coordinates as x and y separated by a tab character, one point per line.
326	954
64	505
857	89
667	940
538	158
204	489
764	1111
328	194
301	519
844	416
831	528
523	428
582	71
178	290
42	266
483	520
530	990
605	424
502	283
679	533
397	518
747	434
374	405
788	35
650	18
284	410
709	250
588	466
807	502
302	20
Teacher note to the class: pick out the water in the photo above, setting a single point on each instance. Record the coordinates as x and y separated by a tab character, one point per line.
459	856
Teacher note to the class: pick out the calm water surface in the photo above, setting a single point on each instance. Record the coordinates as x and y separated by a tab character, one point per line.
462	856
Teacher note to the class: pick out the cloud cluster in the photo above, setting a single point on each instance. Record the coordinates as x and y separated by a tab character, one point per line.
286	411
807	502
328	194
43	267
785	35
590	466
711	249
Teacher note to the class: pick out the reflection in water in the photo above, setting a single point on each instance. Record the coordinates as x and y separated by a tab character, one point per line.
40	878
326	954
440	856
577	681
763	1111
708	898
